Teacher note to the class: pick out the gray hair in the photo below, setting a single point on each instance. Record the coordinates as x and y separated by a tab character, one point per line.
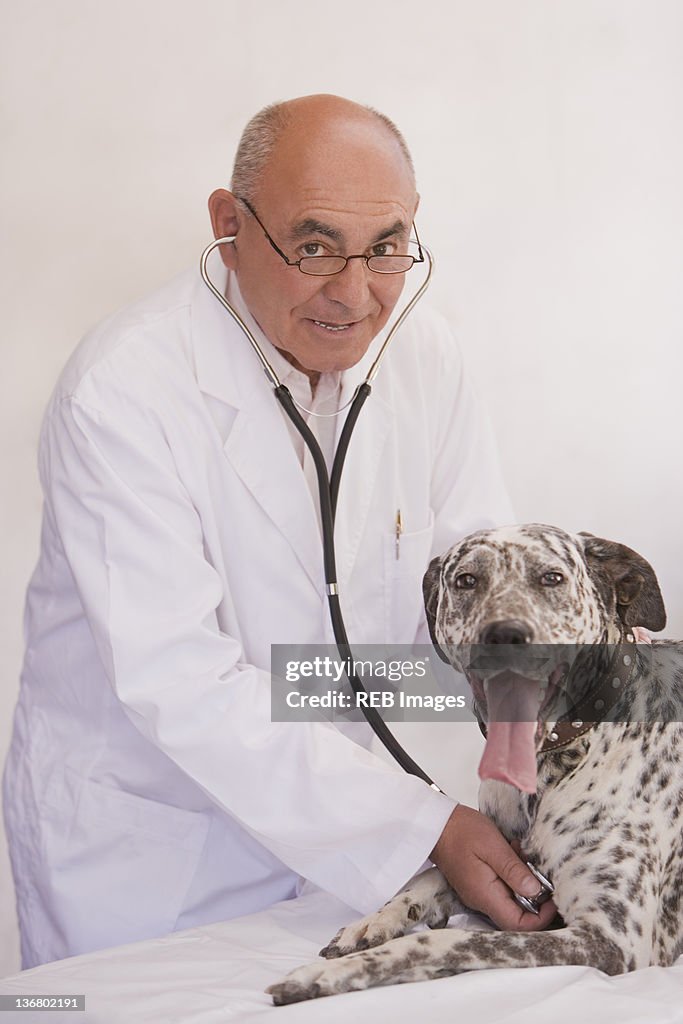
259	138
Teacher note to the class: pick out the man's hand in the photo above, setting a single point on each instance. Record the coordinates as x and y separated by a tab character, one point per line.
483	869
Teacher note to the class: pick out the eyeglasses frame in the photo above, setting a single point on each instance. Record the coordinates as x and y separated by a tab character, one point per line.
297	263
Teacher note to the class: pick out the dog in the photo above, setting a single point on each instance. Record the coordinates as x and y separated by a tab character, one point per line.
595	804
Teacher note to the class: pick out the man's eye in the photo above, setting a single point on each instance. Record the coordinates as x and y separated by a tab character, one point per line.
383	249
551	579
312	249
465	581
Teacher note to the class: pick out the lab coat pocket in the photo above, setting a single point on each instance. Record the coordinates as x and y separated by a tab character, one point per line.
405	563
119	864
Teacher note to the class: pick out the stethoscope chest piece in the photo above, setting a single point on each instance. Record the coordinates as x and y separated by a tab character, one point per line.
533	903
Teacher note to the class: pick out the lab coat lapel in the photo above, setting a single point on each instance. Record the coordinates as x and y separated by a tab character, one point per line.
261	452
257	445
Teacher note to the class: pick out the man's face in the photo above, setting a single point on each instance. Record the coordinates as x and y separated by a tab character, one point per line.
342	190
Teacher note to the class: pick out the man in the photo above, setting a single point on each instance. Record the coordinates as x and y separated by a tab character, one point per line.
147	789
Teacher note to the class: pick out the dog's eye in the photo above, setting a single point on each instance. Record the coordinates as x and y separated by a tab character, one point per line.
465	581
551	579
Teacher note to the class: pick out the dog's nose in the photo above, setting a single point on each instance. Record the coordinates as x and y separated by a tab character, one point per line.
506	631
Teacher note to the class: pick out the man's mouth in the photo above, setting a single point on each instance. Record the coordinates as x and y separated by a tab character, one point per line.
332	327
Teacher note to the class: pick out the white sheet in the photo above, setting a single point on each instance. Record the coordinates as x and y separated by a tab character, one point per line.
218	974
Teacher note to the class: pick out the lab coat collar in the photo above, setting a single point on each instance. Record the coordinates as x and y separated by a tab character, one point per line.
258	444
226	366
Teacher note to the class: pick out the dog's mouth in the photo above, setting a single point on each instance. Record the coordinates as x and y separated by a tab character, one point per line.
516	710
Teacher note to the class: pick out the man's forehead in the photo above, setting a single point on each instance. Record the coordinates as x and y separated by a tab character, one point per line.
342	167
328	189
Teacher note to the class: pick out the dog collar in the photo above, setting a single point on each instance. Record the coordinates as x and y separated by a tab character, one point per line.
585	716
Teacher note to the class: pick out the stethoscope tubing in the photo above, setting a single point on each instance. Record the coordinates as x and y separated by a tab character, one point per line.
328	490
327	514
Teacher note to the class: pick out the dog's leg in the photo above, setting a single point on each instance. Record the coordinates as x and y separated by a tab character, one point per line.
430	955
427	899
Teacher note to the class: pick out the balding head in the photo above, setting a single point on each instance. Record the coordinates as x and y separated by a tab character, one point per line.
310	118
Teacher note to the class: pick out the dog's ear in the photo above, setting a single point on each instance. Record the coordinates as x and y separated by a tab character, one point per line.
431	583
626	580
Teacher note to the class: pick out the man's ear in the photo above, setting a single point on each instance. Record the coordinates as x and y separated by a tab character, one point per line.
225	221
626	580
431	585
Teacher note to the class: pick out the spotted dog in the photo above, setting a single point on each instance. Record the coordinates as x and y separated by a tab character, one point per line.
594	803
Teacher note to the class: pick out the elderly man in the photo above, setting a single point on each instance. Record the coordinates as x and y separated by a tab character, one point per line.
147	789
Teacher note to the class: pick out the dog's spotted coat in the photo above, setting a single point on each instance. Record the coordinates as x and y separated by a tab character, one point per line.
605	823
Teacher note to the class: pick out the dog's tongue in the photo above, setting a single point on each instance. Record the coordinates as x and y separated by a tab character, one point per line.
510	753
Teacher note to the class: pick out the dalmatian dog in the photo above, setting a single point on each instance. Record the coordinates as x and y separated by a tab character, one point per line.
586	778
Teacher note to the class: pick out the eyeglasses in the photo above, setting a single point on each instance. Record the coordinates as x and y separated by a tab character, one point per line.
326	266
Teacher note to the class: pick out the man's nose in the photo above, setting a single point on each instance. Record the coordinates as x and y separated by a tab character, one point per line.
351	285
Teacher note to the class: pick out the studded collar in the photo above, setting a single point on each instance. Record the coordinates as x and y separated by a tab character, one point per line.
585	716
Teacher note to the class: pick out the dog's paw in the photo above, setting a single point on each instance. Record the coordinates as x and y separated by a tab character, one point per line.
315	980
370	931
352	939
301	984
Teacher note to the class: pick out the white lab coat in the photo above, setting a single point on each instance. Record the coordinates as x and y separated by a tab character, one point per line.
146	789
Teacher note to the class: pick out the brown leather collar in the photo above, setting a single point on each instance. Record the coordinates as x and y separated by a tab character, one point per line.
582	717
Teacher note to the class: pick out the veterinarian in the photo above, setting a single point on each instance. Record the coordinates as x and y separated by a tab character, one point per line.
146	789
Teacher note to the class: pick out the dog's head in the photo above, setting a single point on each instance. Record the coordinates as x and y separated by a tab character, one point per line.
521	586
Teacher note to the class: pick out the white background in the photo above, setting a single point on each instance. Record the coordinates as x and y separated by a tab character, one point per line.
548	145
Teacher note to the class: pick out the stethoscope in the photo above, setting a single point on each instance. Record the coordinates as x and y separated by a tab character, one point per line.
328	488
